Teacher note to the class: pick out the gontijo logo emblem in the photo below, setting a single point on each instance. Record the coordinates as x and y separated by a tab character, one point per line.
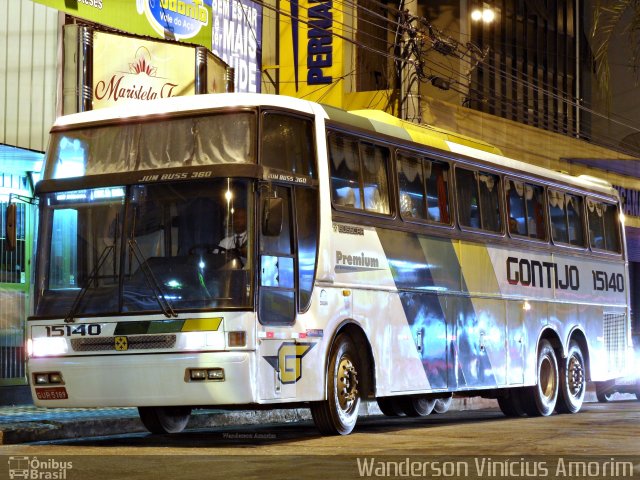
288	362
121	343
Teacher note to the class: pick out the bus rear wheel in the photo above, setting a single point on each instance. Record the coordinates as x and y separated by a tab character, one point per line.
390	406
511	403
573	381
417	406
337	414
159	420
540	399
443	404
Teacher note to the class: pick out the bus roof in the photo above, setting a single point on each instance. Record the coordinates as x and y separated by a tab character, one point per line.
373	120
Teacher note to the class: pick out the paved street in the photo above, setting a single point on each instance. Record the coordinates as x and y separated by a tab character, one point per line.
601	431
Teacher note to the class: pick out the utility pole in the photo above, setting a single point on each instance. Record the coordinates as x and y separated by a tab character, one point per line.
410	108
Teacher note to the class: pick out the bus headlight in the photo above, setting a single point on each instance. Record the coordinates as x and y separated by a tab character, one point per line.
46	347
201	340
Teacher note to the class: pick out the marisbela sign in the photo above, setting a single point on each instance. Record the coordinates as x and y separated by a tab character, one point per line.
135	69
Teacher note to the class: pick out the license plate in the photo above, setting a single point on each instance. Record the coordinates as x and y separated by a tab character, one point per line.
53	393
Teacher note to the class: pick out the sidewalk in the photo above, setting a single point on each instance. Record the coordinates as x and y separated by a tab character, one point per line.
27	423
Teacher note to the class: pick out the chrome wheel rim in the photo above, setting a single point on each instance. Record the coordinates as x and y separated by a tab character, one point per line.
347	385
575	376
547	382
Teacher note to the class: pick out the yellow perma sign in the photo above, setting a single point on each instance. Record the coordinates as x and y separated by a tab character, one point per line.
312	50
288	362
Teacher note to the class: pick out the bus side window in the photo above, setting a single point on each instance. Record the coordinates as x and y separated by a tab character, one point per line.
516	209
574	220
596	224
534	197
611	228
375	160
525	209
411	183
478	200
345	171
468	203
489	201
557	216
288	143
604	231
437	176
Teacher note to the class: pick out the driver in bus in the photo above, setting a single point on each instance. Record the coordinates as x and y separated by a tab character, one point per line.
237	240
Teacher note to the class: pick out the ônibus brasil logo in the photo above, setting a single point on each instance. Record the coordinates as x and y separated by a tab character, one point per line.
33	468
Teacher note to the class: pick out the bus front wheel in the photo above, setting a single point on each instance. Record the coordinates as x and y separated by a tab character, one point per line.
337	414
540	399
161	420
573	382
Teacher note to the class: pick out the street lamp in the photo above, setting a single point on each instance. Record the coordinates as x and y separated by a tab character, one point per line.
486	14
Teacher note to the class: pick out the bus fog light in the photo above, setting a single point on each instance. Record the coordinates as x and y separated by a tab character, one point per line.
55	377
198	374
41	378
237	339
43	347
215	374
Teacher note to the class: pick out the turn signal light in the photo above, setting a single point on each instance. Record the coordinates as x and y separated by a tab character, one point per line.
48	378
237	339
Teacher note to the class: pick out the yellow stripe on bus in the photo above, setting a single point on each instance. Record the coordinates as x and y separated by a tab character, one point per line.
202	324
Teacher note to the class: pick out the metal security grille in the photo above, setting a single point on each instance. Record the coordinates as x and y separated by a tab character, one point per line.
135	342
14	289
614	339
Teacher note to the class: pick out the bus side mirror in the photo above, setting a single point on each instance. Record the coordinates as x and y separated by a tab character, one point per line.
10	228
272	211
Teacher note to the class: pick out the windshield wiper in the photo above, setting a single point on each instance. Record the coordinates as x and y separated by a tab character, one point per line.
152	282
91	277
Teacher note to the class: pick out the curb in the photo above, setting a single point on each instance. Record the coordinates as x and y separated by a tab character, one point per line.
87	426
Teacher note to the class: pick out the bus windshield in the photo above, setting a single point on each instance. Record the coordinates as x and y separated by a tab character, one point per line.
144	145
146	248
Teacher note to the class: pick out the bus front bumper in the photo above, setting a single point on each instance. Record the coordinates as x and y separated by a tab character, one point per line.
144	380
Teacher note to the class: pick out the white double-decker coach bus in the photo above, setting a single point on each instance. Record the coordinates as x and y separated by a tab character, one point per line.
242	251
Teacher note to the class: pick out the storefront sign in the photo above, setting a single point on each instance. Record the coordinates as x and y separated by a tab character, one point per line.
136	69
237	39
184	20
630	200
311	50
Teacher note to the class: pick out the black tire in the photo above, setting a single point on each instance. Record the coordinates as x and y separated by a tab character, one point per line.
573	381
637	392
417	406
337	415
390	406
160	420
442	405
511	404
604	391
540	400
